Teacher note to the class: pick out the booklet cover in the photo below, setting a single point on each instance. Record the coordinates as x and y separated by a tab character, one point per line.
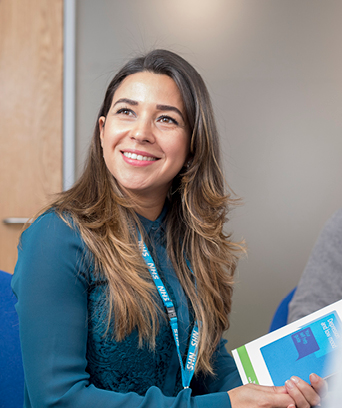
299	348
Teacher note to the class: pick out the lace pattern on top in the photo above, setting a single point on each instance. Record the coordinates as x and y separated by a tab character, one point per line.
123	366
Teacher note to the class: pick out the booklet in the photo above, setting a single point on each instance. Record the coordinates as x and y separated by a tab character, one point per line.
299	348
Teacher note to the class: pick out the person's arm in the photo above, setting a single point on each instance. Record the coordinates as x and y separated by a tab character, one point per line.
51	287
321	281
226	374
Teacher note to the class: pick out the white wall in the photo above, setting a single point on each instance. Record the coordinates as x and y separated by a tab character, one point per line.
274	70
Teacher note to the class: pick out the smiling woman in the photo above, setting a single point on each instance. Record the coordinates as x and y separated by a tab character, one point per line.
145	139
124	283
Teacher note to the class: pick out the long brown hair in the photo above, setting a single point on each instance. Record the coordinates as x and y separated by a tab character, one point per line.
198	206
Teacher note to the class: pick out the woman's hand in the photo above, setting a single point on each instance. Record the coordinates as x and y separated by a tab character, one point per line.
295	394
304	394
252	395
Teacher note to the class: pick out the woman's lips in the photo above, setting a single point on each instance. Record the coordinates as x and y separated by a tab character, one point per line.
139	157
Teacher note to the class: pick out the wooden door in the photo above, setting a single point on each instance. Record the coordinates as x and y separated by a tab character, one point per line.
31	80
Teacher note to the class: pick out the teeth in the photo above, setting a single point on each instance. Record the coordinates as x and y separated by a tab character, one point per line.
134	156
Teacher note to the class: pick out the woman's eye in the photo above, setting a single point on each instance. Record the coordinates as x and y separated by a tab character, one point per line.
168	119
125	111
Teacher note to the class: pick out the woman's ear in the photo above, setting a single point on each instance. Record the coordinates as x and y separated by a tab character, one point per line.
102	121
188	161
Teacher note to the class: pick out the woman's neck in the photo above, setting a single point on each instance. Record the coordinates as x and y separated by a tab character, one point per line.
148	204
151	212
149	207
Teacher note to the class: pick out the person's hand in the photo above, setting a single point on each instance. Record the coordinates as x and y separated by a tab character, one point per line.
252	395
295	394
306	395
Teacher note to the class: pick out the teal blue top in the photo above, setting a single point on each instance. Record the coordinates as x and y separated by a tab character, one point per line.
70	361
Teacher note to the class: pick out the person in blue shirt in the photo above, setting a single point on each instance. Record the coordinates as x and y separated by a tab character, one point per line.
124	283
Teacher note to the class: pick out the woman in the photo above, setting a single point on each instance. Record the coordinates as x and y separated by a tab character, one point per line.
140	232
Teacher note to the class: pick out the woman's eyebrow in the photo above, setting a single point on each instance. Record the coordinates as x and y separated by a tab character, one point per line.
126	100
170	108
159	107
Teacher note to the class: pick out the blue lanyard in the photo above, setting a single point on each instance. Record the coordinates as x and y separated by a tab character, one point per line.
189	368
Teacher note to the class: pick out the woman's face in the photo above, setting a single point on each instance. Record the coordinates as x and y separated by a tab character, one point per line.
144	137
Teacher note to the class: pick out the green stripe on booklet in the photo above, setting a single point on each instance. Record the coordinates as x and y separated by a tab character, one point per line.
247	365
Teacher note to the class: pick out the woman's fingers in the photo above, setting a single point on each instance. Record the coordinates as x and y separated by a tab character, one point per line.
252	395
295	394
319	385
303	394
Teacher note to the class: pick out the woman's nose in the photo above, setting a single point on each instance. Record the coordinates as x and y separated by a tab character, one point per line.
142	131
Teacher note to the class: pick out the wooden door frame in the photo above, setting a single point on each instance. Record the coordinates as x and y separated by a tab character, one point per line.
32	85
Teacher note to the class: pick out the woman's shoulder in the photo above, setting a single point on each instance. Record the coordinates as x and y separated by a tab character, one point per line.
52	246
51	223
54	233
51	257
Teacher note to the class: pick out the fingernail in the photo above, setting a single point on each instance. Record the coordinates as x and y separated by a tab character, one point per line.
313	377
289	384
295	379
